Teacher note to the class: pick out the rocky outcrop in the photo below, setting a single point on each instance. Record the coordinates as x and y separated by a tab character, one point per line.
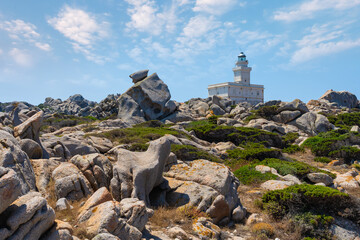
108	107
312	123
31	148
135	174
31	129
10	187
208	186
29	217
342	98
96	168
11	156
148	99
70	183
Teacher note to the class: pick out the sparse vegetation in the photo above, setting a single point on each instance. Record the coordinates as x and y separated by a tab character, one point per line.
293	149
248	175
266	112
252	152
58	121
263	230
345	120
189	153
322	159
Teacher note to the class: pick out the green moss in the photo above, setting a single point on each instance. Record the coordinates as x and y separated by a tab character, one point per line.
248	175
322	159
189	153
305	198
297	168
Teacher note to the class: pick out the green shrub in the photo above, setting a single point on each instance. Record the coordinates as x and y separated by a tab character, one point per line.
248	175
189	153
322	159
357	166
313	226
213	119
290	138
293	149
137	134
294	167
305	198
238	135
334	144
346	120
252	151
266	112
58	121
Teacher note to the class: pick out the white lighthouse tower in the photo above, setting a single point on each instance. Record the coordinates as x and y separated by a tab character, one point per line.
241	90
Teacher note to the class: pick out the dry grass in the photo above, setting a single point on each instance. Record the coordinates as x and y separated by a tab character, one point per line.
168	216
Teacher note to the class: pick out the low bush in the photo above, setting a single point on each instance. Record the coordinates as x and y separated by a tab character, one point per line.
322	159
248	175
139	134
189	153
305	198
345	120
251	152
263	230
266	112
211	132
290	138
58	121
297	168
293	149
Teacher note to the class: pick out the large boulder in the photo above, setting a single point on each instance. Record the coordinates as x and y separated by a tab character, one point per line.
135	174
139	75
70	183
342	98
106	218
312	123
11	156
296	105
148	99
96	168
207	186
31	129
29	217
32	148
10	187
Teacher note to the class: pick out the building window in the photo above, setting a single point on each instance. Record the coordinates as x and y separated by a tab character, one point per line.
258	93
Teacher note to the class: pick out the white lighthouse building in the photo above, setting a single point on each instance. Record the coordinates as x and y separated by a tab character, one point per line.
241	90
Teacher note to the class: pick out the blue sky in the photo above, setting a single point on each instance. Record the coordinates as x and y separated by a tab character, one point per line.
297	49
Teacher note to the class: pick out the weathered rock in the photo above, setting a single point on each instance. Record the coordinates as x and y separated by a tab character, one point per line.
105	236
347	180
43	169
276	184
112	124
199	183
106	218
254	218
205	229
136	173
224	146
10	187
291	178
345	229
217	110
96	168
296	105
266	169
171	161
11	156
355	129
101	144
60	230
135	212
31	129
286	116
27	218
139	75
66	147
31	148
70	183
148	99
320	178
342	98
100	196
177	233
312	123
62	204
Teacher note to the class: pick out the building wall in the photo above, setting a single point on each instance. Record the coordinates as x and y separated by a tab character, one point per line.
242	76
249	94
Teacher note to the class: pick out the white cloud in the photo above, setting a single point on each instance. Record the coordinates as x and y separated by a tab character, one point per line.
215	7
135	53
323	49
21	57
83	29
322	40
199	26
308	9
20	30
146	17
1	51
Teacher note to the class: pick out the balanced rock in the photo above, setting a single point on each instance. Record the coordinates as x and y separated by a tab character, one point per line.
28	217
342	98
296	105
139	75
135	174
148	99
